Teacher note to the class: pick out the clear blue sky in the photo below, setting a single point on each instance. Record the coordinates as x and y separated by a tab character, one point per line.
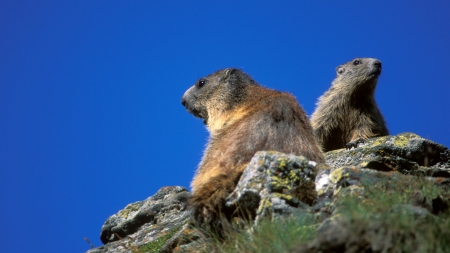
90	112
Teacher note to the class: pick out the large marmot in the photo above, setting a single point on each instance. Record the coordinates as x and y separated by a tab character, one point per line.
347	112
242	118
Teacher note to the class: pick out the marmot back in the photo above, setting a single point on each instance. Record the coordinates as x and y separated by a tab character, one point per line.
347	112
242	118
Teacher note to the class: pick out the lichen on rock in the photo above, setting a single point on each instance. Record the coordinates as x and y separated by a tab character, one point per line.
406	153
145	221
270	183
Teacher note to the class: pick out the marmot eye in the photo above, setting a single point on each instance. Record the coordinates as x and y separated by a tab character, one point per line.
356	62
201	83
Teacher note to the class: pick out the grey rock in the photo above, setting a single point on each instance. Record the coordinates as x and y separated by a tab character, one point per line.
392	161
406	153
145	221
270	185
341	233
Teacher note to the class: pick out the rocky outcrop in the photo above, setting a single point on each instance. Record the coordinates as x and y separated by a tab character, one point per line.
145	221
379	229
406	153
276	184
400	165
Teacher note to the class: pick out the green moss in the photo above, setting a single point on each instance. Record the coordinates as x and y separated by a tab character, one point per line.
155	246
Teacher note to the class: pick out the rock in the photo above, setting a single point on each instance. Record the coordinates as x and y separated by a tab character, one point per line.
145	221
392	165
341	233
351	180
406	153
275	183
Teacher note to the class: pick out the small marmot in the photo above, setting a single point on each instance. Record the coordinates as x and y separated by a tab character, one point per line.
347	112
242	117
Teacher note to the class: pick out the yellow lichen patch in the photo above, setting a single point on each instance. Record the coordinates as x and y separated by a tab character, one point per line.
322	191
379	141
363	164
281	182
401	141
282	196
282	163
265	203
338	174
293	175
128	209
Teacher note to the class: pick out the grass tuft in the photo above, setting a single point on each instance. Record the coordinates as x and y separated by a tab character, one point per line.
155	246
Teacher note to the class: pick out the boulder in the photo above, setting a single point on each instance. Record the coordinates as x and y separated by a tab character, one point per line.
145	221
275	184
406	153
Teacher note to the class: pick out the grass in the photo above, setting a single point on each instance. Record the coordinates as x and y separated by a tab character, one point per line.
391	216
388	216
267	237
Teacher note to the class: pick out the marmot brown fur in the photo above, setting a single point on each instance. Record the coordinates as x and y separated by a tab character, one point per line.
348	112
242	118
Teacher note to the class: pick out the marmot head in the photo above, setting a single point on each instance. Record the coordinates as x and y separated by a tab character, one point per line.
359	72
216	93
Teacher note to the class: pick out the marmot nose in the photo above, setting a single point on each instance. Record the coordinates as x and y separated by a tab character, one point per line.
377	63
183	101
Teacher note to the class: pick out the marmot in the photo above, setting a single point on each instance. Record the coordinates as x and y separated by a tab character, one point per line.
347	111
242	117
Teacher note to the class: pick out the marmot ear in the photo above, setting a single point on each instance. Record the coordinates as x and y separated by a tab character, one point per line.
230	75
340	69
229	72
